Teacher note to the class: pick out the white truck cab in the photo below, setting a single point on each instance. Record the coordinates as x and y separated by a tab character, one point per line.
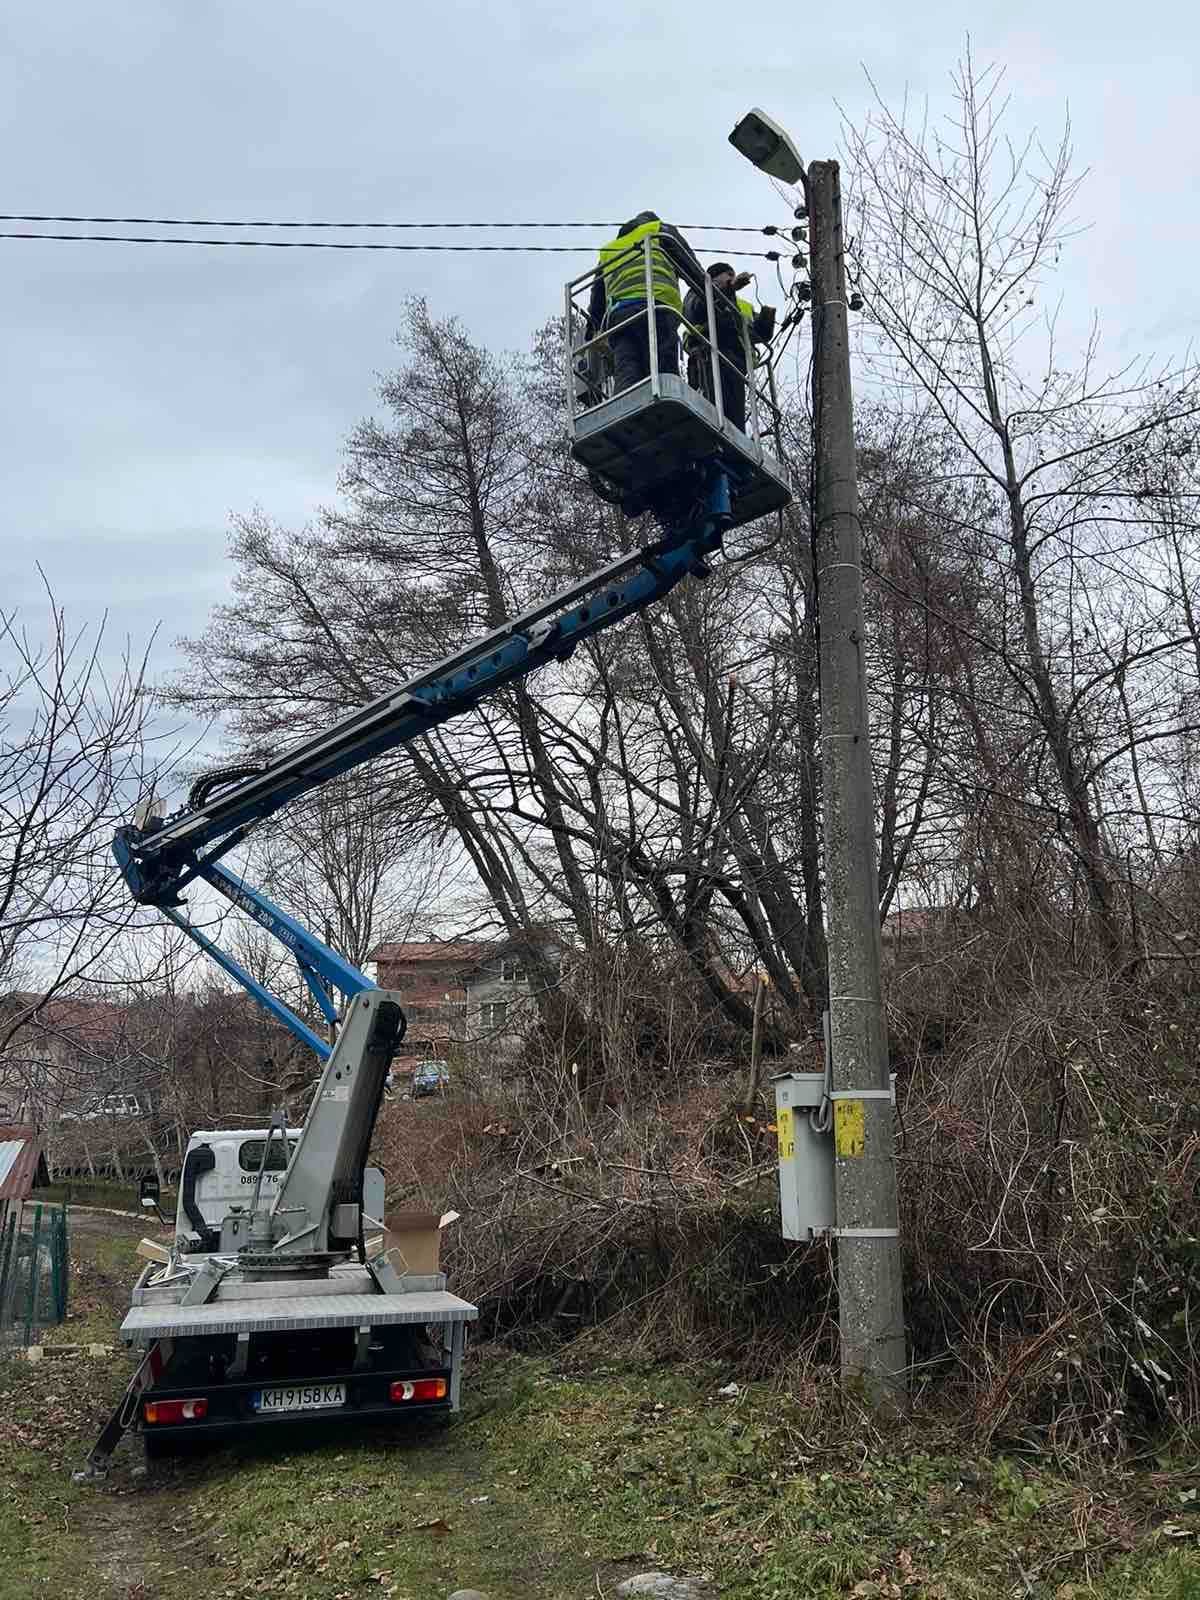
220	1169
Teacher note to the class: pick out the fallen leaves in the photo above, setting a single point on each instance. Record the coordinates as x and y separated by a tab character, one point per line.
890	1585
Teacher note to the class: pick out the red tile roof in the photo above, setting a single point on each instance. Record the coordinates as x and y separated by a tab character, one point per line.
450	952
87	1021
915	922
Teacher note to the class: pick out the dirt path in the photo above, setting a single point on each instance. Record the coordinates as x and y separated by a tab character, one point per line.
129	1522
99	1219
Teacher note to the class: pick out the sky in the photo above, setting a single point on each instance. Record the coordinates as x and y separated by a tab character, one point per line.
149	393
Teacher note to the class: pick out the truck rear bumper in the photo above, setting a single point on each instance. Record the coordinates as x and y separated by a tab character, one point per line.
233	1408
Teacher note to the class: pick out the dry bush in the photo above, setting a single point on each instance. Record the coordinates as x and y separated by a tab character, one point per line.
1049	1165
637	1014
1049	1160
658	1224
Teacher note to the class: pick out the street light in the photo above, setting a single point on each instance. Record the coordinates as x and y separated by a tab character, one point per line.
869	1267
764	142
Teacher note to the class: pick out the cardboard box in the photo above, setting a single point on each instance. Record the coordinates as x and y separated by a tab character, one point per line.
413	1240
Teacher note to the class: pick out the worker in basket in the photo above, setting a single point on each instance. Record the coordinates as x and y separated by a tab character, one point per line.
739	328
618	299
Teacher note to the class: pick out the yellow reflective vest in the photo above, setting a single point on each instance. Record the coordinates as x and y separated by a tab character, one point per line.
624	269
748	316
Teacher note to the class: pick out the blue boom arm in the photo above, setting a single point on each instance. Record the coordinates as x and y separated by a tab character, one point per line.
161	856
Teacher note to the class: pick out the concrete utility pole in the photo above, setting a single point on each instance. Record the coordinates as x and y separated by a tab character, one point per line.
870	1295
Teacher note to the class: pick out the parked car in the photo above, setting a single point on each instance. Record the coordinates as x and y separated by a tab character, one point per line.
111	1108
430	1077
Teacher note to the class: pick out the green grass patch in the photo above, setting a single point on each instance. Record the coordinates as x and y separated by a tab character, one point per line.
104	1266
104	1192
56	1539
551	1484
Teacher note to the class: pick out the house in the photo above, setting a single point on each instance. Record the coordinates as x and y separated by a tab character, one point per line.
912	929
58	1046
500	988
428	977
462	992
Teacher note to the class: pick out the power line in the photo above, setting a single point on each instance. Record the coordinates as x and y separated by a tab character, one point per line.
205	222
334	244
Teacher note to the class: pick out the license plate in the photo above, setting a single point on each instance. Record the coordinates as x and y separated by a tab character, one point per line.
303	1397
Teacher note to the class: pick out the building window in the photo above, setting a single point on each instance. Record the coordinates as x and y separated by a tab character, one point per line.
510	970
495	1014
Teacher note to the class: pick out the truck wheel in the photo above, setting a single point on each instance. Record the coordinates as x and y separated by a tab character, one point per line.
157	1448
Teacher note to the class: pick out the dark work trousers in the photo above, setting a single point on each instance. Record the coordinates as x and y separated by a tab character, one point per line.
733	387
631	346
733	381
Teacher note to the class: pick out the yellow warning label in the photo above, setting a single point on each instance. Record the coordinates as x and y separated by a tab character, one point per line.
848	1133
786	1133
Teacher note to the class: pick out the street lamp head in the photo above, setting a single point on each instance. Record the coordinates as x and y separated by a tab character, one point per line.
766	144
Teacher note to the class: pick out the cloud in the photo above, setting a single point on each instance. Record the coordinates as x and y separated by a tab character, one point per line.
152	391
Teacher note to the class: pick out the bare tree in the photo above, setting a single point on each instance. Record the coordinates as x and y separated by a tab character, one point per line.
960	232
352	869
75	752
456	512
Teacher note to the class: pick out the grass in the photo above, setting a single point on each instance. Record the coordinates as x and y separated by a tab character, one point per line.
104	1192
103	1266
55	1538
559	1484
559	1479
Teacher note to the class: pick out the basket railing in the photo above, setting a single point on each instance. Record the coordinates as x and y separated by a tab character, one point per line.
588	358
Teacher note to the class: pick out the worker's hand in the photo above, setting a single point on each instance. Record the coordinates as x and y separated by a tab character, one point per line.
742	279
768	311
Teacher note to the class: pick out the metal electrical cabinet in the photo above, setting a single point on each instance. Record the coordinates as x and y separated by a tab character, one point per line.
806	1199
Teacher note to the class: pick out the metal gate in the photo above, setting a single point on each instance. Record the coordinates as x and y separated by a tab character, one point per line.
34	1271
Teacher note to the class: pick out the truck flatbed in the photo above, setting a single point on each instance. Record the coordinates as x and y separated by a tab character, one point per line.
298	1312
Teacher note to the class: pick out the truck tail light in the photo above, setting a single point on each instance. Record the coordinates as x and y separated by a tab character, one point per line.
419	1389
175	1410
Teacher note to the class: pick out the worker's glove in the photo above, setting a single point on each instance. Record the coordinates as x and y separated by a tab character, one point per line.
742	279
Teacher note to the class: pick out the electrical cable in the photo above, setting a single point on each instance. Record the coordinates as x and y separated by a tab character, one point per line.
784	335
208	222
332	244
204	785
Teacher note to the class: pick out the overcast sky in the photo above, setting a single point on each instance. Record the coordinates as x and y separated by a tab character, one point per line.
150	392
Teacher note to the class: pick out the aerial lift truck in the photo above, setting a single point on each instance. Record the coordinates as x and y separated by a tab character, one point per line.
290	1307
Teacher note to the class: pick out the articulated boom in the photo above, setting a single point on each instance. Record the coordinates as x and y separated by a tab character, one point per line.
315	1215
160	857
277	1285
